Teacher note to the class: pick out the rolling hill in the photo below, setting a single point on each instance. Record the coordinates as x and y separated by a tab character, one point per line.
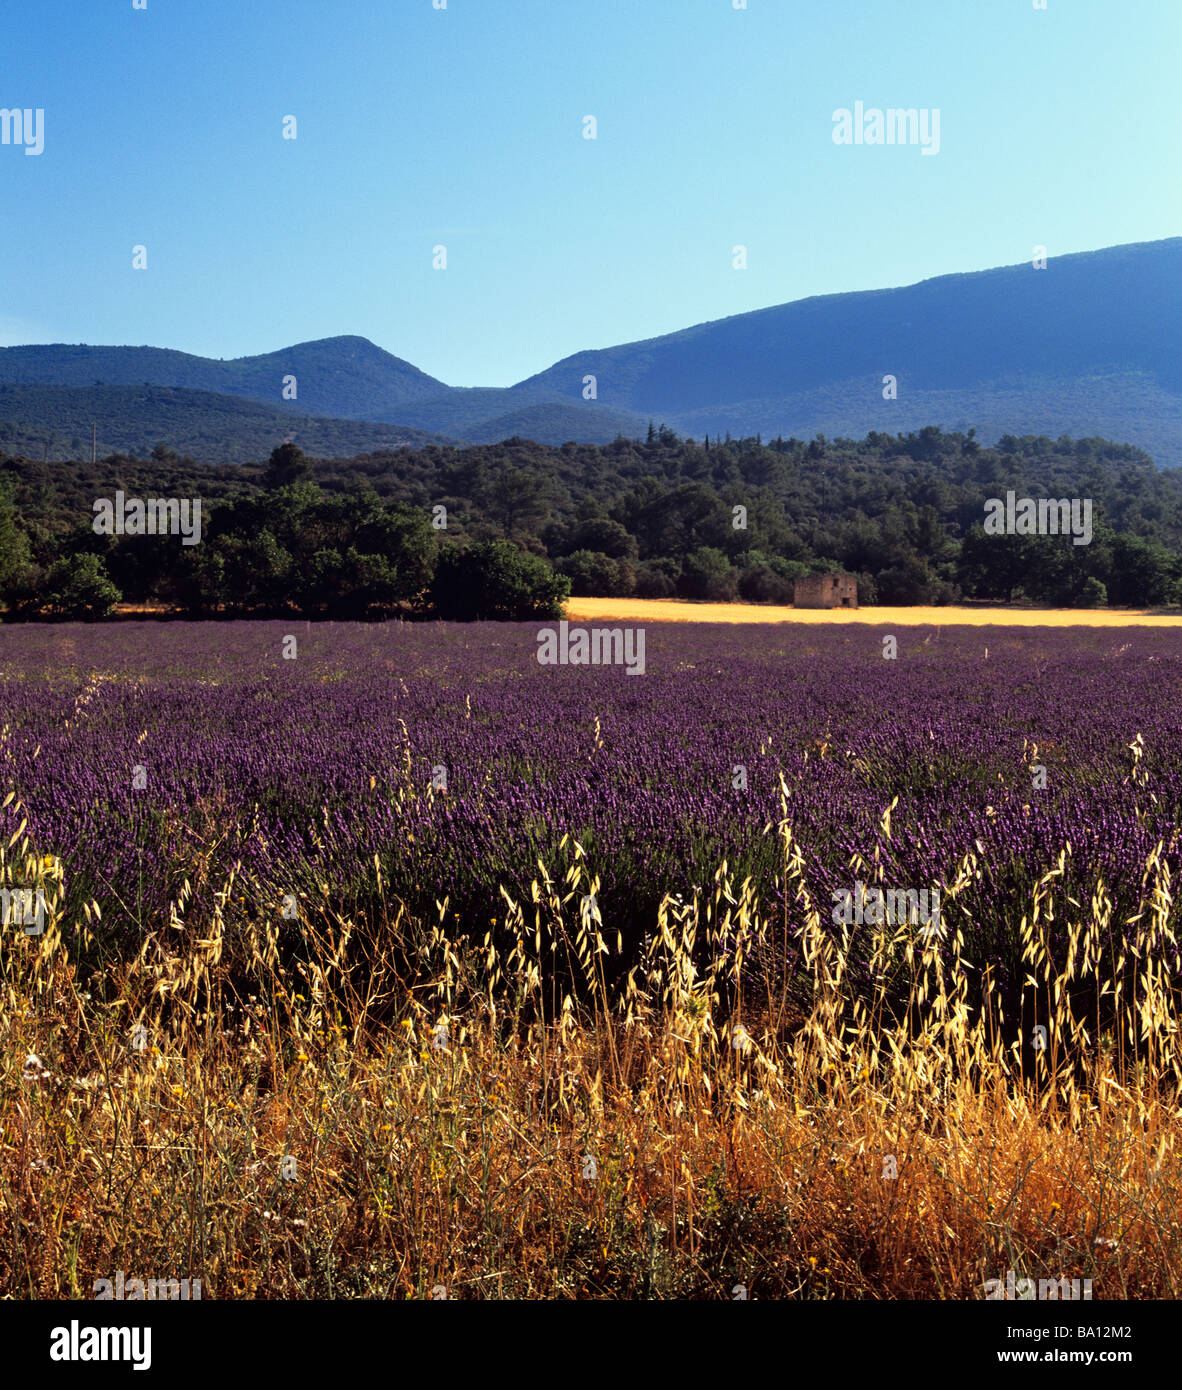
347	378
54	422
1089	346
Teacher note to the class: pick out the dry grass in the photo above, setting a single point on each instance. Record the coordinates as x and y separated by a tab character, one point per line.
579	610
739	1118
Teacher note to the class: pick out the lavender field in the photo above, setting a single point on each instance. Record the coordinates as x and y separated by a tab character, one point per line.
405	964
313	776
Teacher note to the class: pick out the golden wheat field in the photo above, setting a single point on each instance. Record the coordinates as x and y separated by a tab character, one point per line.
679	611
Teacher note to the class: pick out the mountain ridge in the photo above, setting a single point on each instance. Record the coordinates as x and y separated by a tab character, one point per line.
1092	344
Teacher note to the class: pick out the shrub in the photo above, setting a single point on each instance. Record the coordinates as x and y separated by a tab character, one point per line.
761	584
593	572
708	574
79	589
495	580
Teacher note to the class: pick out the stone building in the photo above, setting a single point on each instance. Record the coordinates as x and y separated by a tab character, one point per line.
826	591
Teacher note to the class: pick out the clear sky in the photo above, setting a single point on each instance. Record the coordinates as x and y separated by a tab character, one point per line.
464	127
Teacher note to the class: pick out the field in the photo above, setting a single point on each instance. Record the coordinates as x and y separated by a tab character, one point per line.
639	610
402	963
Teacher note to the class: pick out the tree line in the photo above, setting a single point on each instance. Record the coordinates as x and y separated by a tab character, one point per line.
509	530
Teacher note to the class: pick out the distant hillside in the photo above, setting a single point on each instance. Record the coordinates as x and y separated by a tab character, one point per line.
347	378
486	416
1090	345
54	422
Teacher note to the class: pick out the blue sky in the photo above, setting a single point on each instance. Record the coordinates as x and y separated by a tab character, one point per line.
463	127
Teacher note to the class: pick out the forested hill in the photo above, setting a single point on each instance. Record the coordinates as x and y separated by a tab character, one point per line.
1090	344
1084	344
656	518
59	422
346	377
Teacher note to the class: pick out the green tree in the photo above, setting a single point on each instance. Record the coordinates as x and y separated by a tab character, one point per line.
760	582
1093	594
197	583
607	537
708	574
287	465
515	499
14	544
593	572
495	580
78	589
258	572
1142	573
